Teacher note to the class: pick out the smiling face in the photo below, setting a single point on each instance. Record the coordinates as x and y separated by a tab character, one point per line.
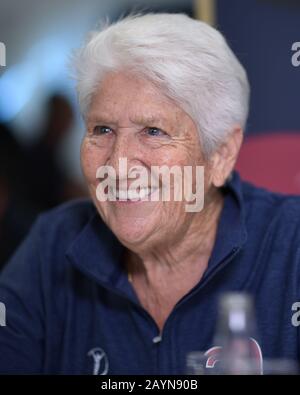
130	118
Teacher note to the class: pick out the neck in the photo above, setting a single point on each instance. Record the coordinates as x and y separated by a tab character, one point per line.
162	276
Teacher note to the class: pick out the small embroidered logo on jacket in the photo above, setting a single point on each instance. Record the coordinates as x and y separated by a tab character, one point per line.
100	361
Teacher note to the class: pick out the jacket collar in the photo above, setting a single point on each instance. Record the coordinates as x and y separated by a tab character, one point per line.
97	252
231	232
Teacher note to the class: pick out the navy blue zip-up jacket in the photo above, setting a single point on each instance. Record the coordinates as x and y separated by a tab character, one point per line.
71	310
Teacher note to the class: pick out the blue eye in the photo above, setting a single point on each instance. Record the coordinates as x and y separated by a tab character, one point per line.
155	132
100	130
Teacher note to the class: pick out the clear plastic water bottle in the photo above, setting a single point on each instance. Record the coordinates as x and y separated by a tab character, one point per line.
236	334
195	363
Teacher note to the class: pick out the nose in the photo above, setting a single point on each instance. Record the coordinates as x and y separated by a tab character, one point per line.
125	148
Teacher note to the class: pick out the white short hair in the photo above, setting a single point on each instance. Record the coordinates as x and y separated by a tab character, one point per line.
187	59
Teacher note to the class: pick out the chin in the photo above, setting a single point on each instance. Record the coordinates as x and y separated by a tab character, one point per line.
131	231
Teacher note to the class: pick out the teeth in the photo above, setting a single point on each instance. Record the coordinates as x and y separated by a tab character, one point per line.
138	195
122	195
130	194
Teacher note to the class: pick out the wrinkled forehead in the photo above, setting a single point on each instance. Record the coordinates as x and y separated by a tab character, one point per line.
122	98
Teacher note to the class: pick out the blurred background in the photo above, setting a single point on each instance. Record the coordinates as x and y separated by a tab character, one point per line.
40	125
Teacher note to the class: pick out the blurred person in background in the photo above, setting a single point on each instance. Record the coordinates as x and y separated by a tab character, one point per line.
16	211
130	285
47	183
31	178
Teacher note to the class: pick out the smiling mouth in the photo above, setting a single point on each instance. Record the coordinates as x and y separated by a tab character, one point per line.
132	195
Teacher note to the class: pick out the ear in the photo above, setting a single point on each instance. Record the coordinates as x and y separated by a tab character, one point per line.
224	158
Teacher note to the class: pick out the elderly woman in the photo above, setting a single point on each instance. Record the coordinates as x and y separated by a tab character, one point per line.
129	285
